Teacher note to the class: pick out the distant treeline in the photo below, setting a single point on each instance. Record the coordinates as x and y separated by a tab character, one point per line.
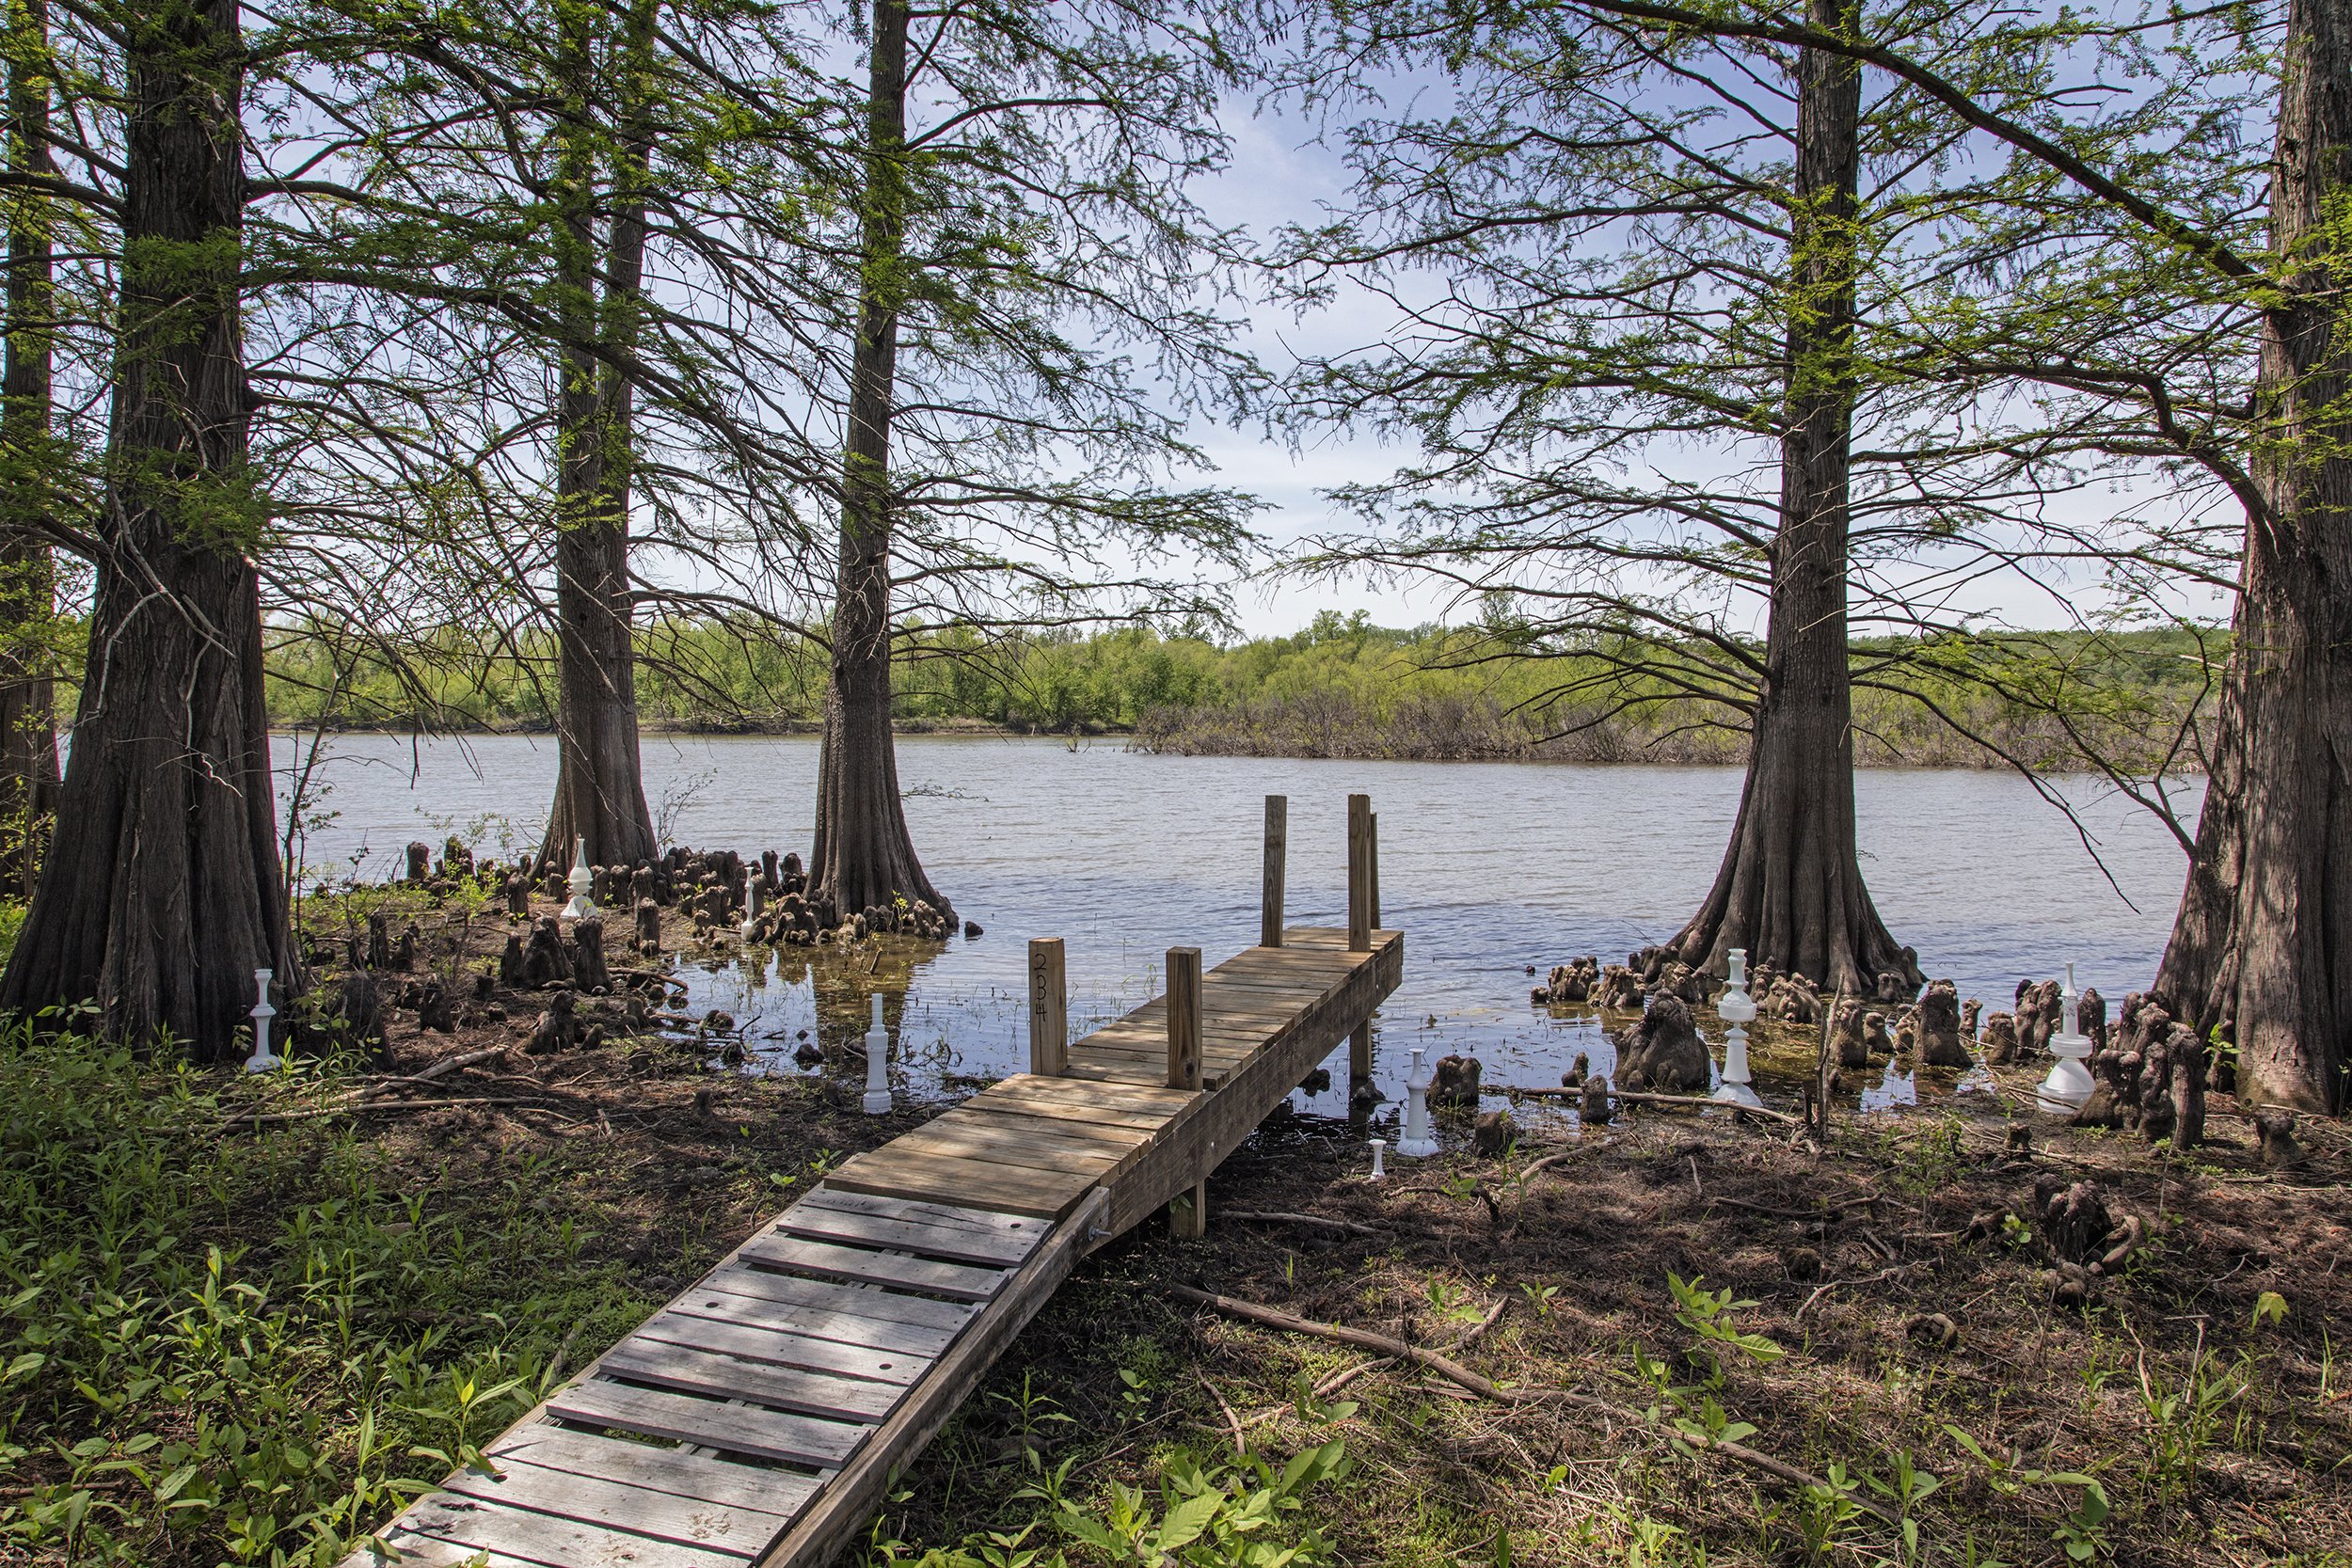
1341	688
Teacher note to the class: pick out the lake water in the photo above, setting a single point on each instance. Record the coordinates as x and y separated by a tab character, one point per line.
1486	868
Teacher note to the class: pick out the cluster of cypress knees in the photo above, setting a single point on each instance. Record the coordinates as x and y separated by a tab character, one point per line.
715	888
2150	1072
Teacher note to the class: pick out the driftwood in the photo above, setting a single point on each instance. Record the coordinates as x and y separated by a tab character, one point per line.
438	1070
1456	1372
366	1107
1644	1097
1317	1220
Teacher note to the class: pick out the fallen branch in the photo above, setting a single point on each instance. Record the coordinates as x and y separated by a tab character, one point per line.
363	1107
1456	1372
1641	1097
1820	1292
1801	1213
438	1070
1318	1221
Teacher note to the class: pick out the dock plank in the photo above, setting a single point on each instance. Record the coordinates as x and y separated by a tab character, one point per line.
828	1261
544	1539
743	1278
843	1351
759	1315
692	1368
680	1473
1036	1230
942	1178
736	1428
954	1244
739	1532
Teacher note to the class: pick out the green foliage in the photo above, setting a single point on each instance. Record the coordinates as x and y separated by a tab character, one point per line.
1340	688
167	1389
1246	1515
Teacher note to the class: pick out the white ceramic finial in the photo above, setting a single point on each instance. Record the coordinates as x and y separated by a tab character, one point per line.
583	884
2069	1085
1737	1011
262	1058
877	1063
1415	1143
1379	1163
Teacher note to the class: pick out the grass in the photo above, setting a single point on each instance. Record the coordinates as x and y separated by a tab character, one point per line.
260	1344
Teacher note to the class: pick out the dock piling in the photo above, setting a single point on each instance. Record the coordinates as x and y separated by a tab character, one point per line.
1049	1008
1184	1017
1276	853
1359	874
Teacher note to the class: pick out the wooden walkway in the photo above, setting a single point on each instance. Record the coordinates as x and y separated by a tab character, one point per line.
759	1416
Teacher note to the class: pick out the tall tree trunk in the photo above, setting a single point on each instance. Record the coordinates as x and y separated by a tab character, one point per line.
1791	889
164	897
599	783
28	729
2263	944
864	853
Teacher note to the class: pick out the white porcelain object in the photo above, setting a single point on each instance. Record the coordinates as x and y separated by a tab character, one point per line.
752	899
877	1063
1417	1144
2069	1085
1379	1161
1737	1011
584	883
262	1059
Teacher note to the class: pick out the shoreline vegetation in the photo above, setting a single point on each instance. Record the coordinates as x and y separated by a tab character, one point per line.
2051	702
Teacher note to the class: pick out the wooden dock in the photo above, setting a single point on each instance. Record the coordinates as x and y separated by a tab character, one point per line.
758	1417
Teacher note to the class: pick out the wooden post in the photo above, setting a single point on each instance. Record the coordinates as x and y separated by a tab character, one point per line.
1188	1212
1184	1017
1049	1008
1277	810
1372	858
1360	873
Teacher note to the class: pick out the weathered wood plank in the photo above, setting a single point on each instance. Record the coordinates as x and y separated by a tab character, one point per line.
827	1260
1155	1102
831	1393
736	1428
942	1178
1032	1142
544	1539
694	1475
928	1213
738	1532
756	1317
956	1244
406	1548
826	1295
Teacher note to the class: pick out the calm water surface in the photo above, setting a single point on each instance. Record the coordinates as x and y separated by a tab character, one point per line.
1487	868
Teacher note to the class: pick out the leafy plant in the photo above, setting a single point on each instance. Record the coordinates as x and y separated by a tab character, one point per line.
1242	1515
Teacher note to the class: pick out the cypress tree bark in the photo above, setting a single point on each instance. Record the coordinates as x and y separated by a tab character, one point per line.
28	732
164	896
864	853
2262	947
599	784
1790	888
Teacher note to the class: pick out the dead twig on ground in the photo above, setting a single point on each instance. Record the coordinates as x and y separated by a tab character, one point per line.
362	1107
1262	1216
1643	1097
